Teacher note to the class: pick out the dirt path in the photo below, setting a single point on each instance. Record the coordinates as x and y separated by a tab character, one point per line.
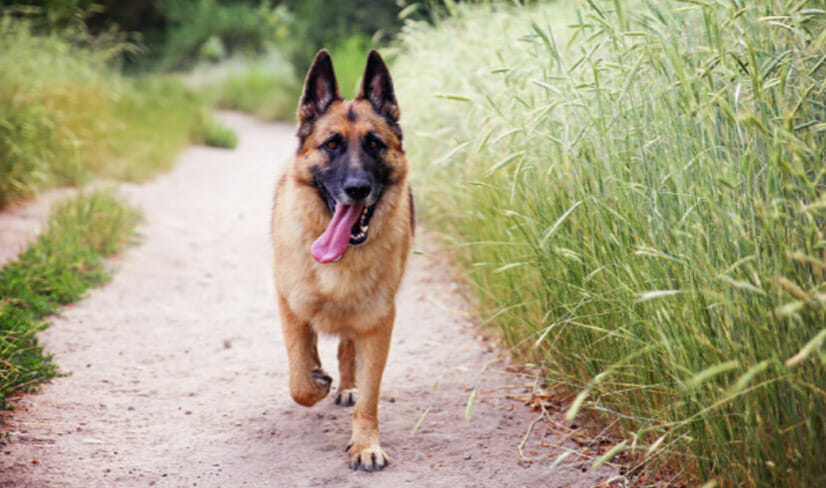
179	376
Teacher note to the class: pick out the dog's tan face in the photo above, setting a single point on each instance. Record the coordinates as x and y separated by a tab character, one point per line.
350	151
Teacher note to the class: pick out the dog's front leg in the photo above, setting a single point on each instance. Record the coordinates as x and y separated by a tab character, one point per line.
308	382
347	372
371	356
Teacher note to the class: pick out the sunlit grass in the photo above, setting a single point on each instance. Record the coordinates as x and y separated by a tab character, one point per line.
638	195
66	115
56	269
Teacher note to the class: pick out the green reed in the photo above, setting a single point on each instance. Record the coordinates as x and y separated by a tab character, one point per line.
637	191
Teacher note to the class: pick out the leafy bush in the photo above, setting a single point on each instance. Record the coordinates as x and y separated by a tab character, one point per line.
319	24
211	30
216	135
177	34
52	14
640	201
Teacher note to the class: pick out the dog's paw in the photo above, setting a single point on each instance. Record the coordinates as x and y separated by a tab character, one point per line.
369	458
347	397
307	391
322	379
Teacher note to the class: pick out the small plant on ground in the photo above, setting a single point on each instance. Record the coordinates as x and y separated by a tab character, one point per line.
57	269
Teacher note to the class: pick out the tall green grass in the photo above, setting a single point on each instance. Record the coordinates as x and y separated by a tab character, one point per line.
56	269
66	114
638	191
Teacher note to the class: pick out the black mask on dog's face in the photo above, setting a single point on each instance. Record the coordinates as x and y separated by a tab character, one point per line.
350	141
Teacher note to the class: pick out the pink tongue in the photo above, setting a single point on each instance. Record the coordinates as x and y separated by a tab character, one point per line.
334	241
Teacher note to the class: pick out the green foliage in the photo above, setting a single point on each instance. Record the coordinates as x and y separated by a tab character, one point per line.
349	58
211	30
640	200
57	269
265	87
320	24
49	117
180	34
216	135
265	96
157	117
52	14
67	115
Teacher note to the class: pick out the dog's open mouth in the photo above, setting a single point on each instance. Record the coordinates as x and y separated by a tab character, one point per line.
349	226
358	233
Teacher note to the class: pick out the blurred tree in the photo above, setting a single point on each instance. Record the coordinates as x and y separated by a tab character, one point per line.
320	23
177	33
55	12
216	29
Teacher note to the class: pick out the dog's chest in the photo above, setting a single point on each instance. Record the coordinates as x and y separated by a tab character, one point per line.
336	300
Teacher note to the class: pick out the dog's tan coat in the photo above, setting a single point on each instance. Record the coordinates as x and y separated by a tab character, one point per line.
353	298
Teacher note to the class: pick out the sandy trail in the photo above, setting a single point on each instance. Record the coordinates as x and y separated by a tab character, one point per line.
179	377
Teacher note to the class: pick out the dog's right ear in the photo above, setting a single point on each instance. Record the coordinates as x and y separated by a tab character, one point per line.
320	88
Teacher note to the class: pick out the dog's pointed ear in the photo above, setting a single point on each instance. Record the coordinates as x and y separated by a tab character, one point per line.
377	87
320	88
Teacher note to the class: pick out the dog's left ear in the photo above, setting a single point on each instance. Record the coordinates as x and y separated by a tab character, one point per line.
377	87
320	88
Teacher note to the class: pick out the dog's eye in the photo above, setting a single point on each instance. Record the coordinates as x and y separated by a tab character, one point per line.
333	143
372	143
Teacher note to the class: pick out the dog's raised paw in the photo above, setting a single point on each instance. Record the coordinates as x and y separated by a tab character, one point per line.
346	397
307	391
368	458
322	379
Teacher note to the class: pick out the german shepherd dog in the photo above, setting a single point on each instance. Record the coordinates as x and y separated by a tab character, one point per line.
342	227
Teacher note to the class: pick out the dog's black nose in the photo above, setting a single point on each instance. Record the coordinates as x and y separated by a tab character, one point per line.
357	188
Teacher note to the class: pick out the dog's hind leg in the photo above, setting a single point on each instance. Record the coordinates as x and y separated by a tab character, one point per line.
371	351
347	372
308	382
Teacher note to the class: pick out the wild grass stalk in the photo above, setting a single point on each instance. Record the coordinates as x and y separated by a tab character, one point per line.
637	188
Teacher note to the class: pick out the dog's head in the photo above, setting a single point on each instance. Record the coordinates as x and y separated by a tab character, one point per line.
350	151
